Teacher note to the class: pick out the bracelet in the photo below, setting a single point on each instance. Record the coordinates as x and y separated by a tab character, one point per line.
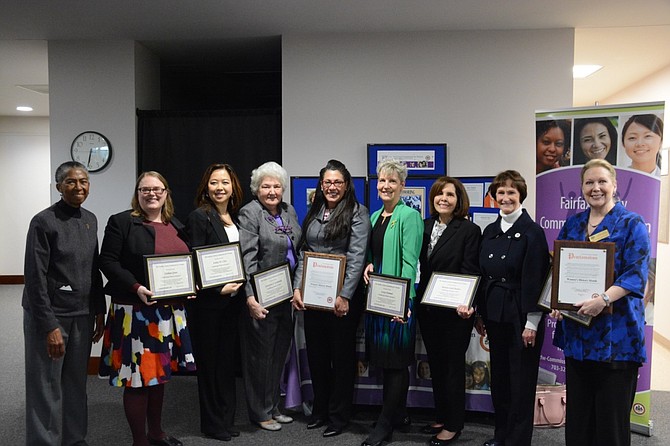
606	298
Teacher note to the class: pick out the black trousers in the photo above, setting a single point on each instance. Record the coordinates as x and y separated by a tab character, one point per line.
514	370
446	337
331	353
599	403
215	335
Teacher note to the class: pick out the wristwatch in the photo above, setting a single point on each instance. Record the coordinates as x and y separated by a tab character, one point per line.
606	298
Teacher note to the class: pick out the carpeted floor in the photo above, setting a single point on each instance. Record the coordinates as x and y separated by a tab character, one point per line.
107	425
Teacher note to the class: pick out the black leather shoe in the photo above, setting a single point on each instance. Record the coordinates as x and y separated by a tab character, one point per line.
432	430
166	441
316	423
331	432
438	442
221	436
368	442
233	432
493	442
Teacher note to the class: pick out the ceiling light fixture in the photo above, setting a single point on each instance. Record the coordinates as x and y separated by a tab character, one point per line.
24	108
584	71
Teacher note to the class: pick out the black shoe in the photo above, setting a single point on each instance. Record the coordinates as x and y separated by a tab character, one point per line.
316	423
166	441
432	430
493	442
331	432
233	432
221	436
437	442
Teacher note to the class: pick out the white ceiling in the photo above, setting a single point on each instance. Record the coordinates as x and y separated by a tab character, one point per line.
630	39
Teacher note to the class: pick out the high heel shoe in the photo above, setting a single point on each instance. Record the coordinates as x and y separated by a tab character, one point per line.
434	441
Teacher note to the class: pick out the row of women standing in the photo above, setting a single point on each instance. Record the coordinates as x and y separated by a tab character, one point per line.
146	341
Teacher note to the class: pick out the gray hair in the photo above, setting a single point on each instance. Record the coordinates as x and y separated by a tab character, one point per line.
63	169
269	169
392	166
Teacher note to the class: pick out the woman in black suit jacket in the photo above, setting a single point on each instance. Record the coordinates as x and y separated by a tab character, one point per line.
213	315
451	245
514	260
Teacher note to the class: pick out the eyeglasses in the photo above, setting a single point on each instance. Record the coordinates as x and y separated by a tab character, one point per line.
148	190
337	183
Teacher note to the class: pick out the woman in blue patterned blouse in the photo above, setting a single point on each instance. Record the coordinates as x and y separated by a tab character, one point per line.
602	360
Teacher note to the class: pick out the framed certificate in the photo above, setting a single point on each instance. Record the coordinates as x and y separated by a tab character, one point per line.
272	285
219	264
388	295
450	290
170	275
581	269
545	303
322	278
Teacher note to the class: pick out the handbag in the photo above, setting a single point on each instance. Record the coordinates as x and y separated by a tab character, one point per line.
550	404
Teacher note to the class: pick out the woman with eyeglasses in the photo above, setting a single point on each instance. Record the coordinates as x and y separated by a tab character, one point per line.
269	233
335	224
145	341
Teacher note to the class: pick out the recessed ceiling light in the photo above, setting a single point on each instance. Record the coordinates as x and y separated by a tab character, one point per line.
24	108
583	71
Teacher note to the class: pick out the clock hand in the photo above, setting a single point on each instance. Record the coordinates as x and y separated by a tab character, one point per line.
89	158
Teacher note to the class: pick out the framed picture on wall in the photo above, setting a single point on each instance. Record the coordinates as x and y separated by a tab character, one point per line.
304	188
415	195
420	159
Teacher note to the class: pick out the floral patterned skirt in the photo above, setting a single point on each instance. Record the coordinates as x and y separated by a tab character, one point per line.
143	345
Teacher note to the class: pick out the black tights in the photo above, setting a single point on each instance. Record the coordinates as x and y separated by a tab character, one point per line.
144	405
396	384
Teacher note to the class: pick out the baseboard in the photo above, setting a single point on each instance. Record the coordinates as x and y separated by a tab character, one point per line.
93	365
11	280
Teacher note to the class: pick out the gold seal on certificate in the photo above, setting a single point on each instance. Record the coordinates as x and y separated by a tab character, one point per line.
388	295
219	264
545	303
272	285
322	278
170	275
581	269
450	290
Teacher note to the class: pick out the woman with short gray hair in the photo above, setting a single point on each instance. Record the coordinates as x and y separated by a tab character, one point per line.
269	233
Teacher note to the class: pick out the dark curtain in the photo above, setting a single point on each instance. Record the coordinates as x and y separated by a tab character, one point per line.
180	145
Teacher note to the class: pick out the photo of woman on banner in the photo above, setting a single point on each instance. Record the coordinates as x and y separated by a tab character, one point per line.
602	360
552	144
642	137
595	138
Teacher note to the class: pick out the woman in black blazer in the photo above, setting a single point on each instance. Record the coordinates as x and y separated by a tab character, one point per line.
451	245
213	315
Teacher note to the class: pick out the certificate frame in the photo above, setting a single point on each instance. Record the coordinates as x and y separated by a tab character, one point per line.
422	159
179	268
399	286
567	252
439	280
269	297
544	302
302	187
204	255
328	271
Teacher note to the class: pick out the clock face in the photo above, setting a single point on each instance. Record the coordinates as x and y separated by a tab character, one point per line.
91	149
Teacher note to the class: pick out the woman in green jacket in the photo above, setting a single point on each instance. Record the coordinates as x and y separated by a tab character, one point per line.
397	232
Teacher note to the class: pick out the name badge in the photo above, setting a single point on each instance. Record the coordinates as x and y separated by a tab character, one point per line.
599	236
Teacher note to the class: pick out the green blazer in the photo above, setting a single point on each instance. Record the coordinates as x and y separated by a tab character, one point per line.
402	243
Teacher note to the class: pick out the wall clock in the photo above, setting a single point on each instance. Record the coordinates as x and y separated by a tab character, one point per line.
92	149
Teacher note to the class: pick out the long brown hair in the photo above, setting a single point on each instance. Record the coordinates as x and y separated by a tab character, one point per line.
202	198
